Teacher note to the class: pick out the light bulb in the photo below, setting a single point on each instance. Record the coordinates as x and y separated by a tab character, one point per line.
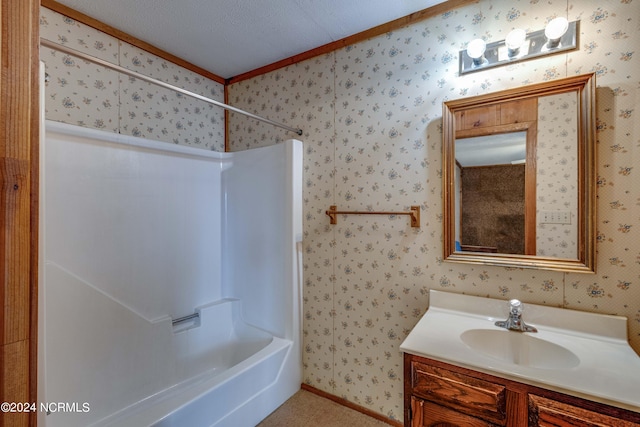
514	40
476	49
554	31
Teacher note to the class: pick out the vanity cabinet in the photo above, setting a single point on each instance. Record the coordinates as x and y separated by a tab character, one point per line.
440	394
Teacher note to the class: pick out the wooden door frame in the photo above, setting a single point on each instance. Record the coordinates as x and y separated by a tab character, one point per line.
19	106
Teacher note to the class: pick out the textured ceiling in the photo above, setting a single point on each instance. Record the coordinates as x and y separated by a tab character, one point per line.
497	149
231	37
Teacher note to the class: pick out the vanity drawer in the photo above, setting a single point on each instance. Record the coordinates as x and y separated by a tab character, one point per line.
464	393
548	412
429	414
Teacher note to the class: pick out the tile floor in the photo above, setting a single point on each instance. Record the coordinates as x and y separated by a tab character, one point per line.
306	409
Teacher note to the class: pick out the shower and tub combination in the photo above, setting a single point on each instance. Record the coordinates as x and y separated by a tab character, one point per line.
169	281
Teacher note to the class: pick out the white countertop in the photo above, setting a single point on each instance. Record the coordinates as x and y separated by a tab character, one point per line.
607	369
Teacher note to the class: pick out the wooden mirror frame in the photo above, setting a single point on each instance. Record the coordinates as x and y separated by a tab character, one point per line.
585	87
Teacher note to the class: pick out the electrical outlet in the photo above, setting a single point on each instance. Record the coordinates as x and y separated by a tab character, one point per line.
555	217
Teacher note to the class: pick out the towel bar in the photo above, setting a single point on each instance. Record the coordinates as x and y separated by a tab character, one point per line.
414	213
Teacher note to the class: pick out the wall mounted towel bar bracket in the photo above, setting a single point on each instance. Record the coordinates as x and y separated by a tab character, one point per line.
414	213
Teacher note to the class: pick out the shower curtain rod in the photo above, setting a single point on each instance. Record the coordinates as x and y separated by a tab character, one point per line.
64	49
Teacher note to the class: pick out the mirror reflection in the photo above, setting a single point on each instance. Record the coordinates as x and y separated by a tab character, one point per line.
490	196
519	177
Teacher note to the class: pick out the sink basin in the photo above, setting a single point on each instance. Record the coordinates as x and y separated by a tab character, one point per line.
519	349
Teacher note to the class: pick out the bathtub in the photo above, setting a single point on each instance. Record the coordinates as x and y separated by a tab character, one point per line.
164	300
240	385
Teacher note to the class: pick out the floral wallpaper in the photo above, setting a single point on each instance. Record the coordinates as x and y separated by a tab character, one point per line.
372	120
557	175
371	113
90	95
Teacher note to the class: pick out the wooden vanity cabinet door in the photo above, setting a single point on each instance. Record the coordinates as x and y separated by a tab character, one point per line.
429	414
545	412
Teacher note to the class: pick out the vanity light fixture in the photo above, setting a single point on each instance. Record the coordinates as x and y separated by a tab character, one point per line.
555	29
514	41
559	35
475	50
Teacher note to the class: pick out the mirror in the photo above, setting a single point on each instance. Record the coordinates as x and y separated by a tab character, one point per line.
519	177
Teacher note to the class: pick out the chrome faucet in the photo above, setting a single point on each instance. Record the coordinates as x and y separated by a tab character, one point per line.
514	322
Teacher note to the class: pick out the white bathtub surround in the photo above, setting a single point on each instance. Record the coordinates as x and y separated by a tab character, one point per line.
136	233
